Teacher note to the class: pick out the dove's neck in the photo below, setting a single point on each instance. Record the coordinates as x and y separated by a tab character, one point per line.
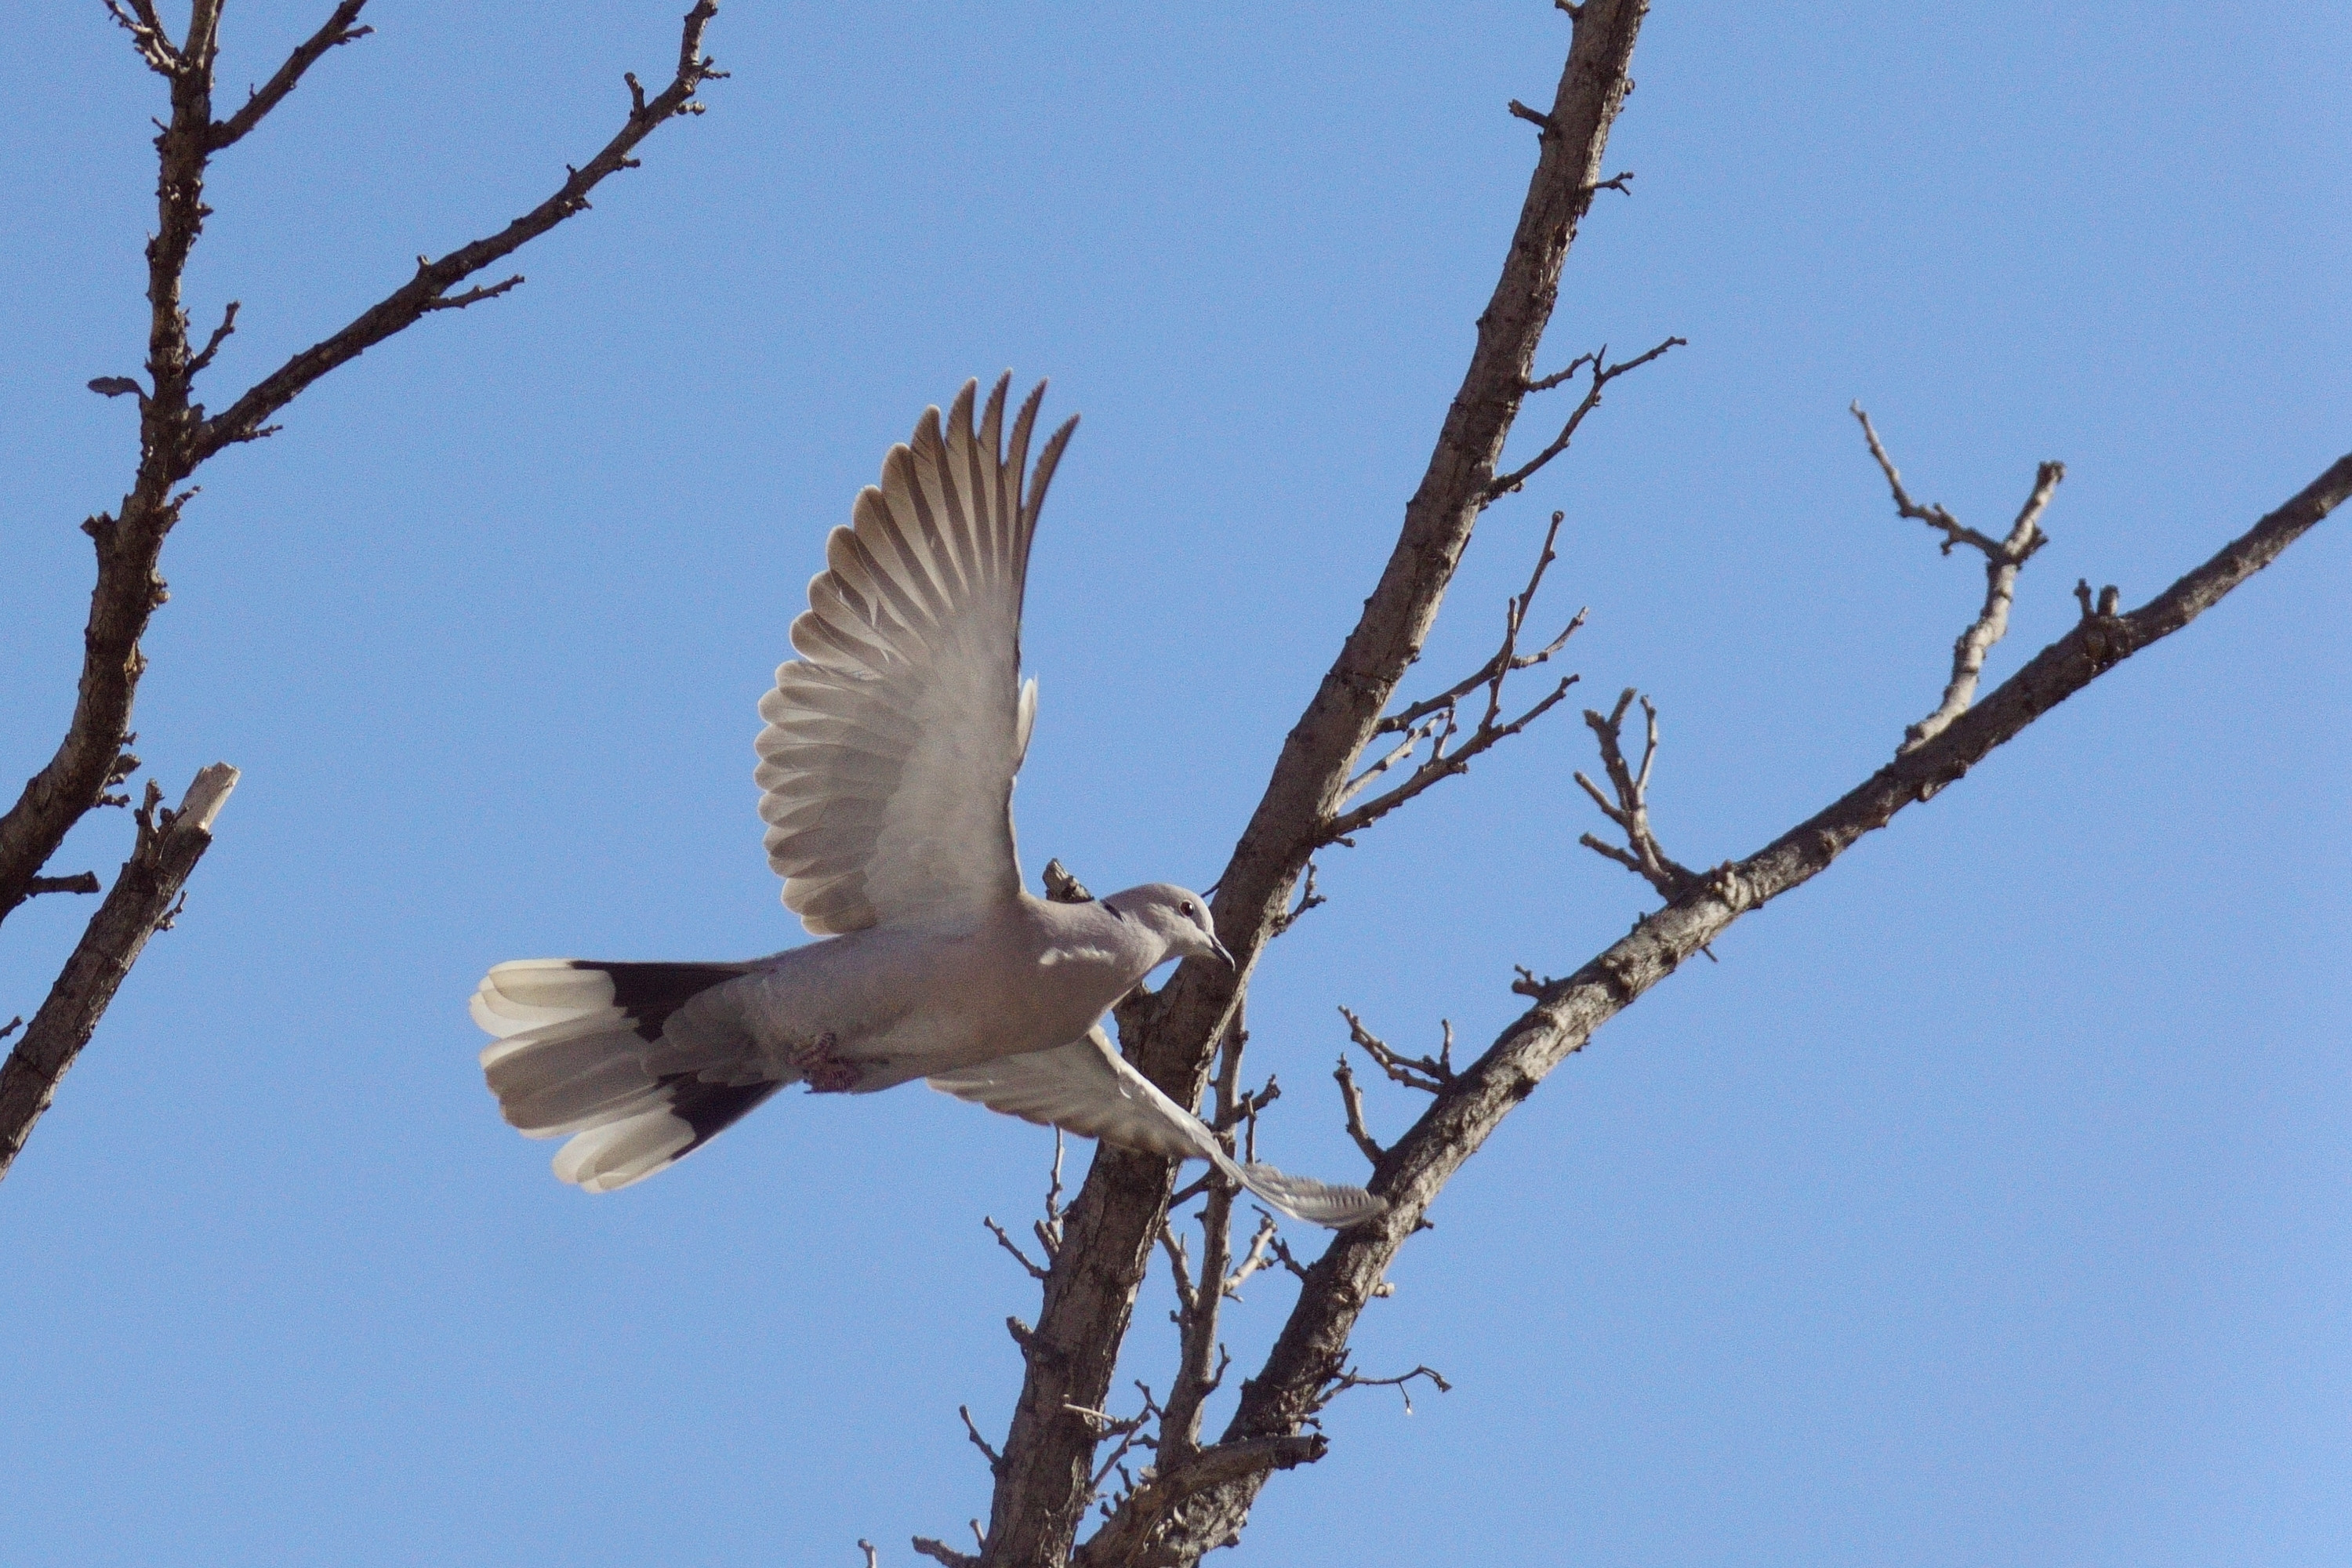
1094	956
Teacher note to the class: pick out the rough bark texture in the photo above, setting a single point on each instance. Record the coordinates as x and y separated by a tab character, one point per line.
1043	1483
142	902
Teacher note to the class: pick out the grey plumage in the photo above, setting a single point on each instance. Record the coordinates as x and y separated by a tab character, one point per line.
885	768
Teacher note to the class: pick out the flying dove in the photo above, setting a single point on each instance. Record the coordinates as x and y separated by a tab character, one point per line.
885	772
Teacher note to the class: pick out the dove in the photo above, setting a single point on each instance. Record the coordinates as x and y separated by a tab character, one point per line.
886	772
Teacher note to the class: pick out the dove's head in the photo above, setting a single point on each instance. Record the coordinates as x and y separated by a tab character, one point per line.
1177	916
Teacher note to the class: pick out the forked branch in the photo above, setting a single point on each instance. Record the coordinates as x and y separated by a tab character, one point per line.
1428	1074
1641	853
1600	374
1353	1379
2004	558
1436	720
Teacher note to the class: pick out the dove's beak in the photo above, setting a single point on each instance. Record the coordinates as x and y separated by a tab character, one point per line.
1219	948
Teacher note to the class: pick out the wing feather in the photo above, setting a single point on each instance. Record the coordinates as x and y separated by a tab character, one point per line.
1087	1088
887	765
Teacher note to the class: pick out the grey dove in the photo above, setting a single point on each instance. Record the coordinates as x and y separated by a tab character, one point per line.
886	772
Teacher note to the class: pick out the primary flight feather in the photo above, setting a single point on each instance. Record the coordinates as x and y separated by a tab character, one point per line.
886	772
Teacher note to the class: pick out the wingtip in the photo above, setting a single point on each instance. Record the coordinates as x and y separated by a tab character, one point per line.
1327	1203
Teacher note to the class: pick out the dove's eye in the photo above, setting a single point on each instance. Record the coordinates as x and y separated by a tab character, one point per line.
1186	910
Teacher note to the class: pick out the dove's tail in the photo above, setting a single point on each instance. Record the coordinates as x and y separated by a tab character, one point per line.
577	1056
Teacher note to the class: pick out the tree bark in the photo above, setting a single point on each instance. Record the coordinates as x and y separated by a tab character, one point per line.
1044	1481
143	900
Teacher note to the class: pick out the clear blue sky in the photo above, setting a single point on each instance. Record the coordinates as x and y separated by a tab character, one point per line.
1990	1203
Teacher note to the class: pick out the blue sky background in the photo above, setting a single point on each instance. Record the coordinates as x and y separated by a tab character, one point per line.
1990	1203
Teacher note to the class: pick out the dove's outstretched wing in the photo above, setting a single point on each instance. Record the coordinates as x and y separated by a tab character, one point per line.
1087	1088
887	764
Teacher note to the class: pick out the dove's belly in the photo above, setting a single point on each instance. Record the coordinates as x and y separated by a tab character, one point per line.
905	1005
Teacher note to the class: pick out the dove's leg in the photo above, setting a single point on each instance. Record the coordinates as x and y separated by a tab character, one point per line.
823	1069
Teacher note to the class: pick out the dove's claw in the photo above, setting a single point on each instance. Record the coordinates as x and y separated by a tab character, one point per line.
824	1071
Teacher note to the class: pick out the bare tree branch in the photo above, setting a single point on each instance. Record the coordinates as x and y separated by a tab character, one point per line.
1200	1362
147	35
175	436
1436	720
1603	374
1441	764
1309	899
1139	1521
2003	560
1506	660
1352	1099
336	30
143	901
1172	1035
426	291
994	1459
1427	1074
1309	1355
1630	810
1348	1380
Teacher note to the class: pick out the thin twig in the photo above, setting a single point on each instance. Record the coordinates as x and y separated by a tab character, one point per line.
1427	1074
428	289
1351	1379
475	296
1126	1429
1602	374
2004	558
1012	1246
1442	765
1309	899
336	30
1437	719
995	1460
1642	853
1353	1098
212	345
1252	1261
1506	660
